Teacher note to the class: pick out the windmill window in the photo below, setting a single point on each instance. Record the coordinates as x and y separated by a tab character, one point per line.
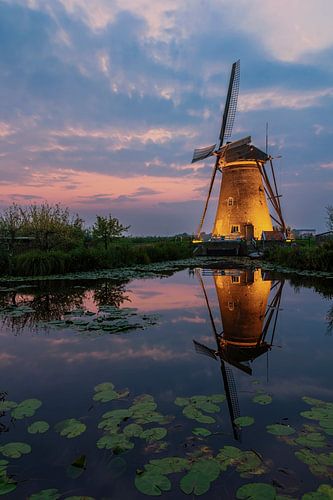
235	229
235	279
230	201
231	305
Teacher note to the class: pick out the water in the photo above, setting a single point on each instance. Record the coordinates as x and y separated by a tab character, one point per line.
254	335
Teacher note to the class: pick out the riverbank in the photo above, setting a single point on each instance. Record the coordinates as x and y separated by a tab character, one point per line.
313	258
122	253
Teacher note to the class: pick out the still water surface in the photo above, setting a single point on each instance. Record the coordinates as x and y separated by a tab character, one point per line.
238	333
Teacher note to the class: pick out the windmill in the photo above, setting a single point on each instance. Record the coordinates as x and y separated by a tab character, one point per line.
248	319
242	211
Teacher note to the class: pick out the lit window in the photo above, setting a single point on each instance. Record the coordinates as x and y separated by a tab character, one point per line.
235	279
230	201
235	229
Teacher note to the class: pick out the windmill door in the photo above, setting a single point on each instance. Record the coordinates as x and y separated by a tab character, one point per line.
249	232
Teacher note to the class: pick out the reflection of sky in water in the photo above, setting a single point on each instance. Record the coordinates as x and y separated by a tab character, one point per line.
61	367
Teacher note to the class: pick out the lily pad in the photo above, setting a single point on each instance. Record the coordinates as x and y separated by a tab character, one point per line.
262	399
201	431
154	434
26	408
118	443
15	450
280	429
50	494
244	421
152	484
70	428
105	386
7	405
256	491
324	492
168	465
77	467
312	440
38	427
133	430
194	482
105	396
7	485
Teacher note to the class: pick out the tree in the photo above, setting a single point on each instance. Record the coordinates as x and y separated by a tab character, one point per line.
107	228
11	222
51	225
329	217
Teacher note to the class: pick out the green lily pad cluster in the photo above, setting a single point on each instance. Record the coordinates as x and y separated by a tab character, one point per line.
109	319
200	471
122	425
322	412
195	406
7	484
320	464
324	492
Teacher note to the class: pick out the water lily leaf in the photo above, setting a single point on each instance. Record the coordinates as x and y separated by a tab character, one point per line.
195	414
118	443
316	414
244	421
307	456
79	498
38	427
182	401
313	401
110	425
217	398
154	434
209	467
194	482
70	428
262	399
168	465
15	450
7	405
26	408
105	396
117	415
50	494
256	491
201	431
133	430
280	429
142	408
324	492
7	485
152	484
312	440
105	386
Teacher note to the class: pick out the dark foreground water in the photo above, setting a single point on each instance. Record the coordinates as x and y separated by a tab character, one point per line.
101	381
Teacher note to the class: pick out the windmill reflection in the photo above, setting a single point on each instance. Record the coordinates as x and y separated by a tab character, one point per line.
249	303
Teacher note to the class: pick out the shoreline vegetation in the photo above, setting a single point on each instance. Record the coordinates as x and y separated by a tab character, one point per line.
47	240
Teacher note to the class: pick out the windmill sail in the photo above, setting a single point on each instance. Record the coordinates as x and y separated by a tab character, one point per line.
202	153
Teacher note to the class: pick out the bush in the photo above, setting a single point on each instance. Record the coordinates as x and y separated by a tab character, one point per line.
317	258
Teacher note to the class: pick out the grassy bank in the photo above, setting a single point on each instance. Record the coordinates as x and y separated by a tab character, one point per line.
125	252
314	257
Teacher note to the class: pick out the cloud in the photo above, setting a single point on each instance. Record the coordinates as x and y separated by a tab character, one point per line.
279	98
6	130
328	166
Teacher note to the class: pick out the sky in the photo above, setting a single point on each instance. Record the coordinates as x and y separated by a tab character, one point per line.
103	102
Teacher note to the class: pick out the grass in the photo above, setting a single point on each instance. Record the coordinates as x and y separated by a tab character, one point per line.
119	254
313	257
